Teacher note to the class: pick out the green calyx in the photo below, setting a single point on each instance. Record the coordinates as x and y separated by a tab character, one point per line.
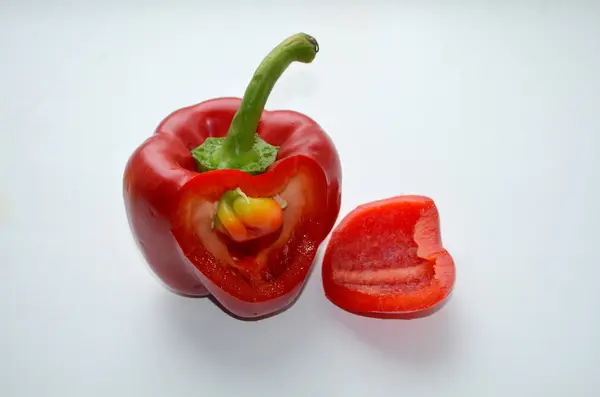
214	154
242	148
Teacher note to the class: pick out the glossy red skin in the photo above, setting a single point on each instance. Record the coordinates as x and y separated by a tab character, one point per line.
415	220
160	178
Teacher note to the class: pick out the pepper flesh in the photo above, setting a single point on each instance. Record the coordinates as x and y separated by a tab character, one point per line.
387	257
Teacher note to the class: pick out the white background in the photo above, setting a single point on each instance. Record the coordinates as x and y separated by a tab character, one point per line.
490	108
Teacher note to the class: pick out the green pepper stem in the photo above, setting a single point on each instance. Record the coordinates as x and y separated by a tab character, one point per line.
242	132
242	148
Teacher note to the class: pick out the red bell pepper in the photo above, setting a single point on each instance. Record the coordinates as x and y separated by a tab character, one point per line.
230	200
386	257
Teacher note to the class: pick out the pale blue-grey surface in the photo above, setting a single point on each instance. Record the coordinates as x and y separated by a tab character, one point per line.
490	108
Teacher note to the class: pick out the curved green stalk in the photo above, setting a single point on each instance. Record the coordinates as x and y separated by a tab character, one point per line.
242	148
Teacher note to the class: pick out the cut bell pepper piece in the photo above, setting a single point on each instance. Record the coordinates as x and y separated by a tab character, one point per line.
387	257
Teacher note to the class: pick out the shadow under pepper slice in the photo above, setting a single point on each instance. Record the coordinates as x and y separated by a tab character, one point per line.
230	200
